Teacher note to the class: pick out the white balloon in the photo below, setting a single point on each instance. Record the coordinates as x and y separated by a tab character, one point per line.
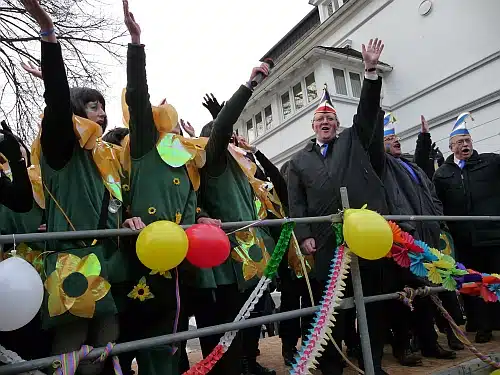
21	293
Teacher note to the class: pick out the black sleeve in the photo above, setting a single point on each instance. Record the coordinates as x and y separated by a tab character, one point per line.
376	149
223	129
275	176
297	202
368	108
16	194
143	133
423	153
58	137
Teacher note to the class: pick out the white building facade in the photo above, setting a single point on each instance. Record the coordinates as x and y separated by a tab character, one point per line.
442	58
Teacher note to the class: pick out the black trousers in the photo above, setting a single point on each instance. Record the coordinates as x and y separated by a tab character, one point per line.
218	306
294	295
482	315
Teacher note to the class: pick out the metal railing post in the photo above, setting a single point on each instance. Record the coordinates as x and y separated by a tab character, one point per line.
359	302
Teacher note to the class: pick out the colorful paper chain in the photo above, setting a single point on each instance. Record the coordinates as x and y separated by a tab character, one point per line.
205	365
68	362
324	319
440	269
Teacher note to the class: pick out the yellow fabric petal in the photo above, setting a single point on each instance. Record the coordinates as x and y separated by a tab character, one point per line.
66	264
56	305
84	306
98	287
35	176
172	151
89	266
125	160
107	159
125	112
194	175
87	132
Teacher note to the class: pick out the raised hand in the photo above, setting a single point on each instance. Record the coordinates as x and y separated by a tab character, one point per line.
425	125
372	52
133	27
242	142
212	105
32	69
263	68
186	125
436	154
42	18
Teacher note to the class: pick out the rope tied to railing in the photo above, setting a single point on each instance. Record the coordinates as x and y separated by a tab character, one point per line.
408	295
68	362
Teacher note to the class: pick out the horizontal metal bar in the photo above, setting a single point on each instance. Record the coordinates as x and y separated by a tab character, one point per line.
336	218
42	363
103	233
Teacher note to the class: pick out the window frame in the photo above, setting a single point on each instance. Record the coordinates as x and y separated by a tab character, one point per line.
361	78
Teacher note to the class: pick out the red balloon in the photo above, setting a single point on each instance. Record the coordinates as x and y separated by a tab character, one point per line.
208	246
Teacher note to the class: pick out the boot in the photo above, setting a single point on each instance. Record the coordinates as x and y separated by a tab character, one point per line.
251	367
437	351
288	353
407	358
482	337
453	342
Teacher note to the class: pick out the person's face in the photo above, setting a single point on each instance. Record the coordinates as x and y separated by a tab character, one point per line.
325	126
95	112
461	146
392	145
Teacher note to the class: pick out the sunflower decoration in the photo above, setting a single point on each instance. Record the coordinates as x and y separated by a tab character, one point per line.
141	291
151	210
165	274
176	181
251	251
75	286
125	187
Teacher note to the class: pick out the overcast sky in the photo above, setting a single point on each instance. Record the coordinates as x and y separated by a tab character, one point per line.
194	47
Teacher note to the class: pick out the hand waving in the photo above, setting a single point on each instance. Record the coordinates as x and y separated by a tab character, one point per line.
186	125
425	125
133	27
213	106
35	10
32	69
372	53
437	155
242	142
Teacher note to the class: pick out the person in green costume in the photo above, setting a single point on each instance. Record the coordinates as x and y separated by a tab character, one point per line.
79	307
159	190
226	194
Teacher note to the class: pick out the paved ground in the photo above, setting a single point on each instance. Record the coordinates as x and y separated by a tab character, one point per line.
271	357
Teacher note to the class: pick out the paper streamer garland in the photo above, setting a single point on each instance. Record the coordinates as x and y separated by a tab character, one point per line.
441	269
205	365
68	362
325	318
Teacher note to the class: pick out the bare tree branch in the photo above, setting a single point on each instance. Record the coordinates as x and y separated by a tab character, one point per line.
84	30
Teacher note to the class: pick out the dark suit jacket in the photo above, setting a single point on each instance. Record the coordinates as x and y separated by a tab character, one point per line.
314	181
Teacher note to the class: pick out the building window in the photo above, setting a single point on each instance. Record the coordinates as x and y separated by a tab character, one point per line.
329	8
250	131
285	105
259	125
339	79
268	115
298	96
312	93
355	79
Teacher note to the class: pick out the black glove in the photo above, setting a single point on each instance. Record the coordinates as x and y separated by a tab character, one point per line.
436	154
9	146
212	105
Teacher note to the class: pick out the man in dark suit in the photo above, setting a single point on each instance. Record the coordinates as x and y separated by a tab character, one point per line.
315	176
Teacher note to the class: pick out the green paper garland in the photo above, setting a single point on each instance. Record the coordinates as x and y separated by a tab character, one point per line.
279	250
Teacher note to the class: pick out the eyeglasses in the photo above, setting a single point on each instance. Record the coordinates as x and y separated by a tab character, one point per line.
323	118
462	142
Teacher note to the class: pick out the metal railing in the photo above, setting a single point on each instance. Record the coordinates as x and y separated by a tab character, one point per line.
357	301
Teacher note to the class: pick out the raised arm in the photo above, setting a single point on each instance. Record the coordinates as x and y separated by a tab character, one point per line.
16	194
423	149
369	103
376	149
222	129
58	137
143	133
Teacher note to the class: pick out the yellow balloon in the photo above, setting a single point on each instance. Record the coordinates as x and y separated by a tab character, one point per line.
496	372
367	233
162	246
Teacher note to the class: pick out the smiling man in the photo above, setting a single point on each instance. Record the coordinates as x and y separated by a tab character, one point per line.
468	184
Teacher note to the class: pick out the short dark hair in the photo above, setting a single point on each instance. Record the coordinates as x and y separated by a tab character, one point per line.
207	129
80	96
116	135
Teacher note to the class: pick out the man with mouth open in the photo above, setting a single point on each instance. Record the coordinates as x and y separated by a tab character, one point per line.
315	177
468	184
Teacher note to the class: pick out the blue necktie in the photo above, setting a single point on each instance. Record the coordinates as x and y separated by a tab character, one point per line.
410	170
461	164
324	149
